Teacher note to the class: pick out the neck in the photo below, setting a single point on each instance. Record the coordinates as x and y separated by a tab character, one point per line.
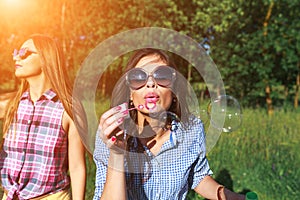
155	142
147	125
37	86
150	129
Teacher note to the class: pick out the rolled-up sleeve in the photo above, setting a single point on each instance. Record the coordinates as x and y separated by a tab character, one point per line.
201	168
101	155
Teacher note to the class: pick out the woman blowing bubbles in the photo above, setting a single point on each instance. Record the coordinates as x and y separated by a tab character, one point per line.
41	141
157	151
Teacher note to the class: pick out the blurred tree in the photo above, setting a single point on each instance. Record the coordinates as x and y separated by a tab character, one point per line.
19	20
285	45
231	30
256	48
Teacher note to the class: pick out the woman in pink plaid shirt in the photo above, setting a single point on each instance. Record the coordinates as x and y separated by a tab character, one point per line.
42	145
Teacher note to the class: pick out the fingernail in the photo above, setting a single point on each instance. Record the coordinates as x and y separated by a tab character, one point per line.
118	108
120	120
113	138
125	112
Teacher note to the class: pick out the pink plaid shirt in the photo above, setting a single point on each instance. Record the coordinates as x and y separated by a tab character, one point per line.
34	159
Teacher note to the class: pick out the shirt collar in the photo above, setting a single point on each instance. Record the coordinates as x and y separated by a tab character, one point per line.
49	94
25	95
176	136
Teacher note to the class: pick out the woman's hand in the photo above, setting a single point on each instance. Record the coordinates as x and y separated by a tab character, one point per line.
113	137
110	132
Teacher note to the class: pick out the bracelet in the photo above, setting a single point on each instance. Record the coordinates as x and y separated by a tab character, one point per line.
219	190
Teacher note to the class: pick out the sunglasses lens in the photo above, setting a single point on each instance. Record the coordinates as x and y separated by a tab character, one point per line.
23	53
15	53
137	78
163	76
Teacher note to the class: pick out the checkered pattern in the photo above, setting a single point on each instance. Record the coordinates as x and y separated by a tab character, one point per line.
179	166
34	159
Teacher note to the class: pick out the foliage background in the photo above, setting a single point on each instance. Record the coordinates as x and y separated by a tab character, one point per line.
255	44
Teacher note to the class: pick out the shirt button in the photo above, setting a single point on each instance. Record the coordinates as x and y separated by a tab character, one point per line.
29	121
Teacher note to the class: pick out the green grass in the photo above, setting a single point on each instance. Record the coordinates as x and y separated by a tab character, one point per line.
261	156
90	184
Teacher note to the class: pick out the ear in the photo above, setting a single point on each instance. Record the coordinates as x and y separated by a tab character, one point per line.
131	96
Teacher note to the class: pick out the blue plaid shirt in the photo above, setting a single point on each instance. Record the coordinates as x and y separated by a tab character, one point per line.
179	166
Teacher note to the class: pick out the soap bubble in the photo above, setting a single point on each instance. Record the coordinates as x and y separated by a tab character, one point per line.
229	107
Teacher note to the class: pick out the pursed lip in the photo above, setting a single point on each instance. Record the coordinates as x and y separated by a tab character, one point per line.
151	100
151	97
18	66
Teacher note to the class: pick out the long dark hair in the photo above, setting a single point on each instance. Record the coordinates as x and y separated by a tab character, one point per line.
179	107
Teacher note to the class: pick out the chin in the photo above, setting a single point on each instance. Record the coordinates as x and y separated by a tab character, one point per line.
19	75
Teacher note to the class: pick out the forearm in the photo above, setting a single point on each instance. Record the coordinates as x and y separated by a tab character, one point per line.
76	158
115	185
78	182
210	189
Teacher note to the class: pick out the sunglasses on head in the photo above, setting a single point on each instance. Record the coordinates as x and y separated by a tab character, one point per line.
22	53
163	76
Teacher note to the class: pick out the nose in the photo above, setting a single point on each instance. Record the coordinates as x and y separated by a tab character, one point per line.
150	82
16	58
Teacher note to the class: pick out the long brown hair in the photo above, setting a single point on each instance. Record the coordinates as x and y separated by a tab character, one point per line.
54	67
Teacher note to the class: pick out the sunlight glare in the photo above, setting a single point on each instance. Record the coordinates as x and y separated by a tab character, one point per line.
13	4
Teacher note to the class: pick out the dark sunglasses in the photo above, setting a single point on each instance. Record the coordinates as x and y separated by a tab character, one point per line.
163	76
22	53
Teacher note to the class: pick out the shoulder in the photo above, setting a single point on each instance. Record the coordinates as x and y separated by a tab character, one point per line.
193	131
194	125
